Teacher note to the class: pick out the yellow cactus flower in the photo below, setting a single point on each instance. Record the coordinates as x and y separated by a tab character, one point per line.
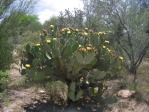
51	26
80	46
103	47
41	34
95	90
108	50
86	28
55	39
27	65
101	33
63	30
87	82
85	34
84	50
37	44
88	48
68	32
77	30
107	42
48	41
121	58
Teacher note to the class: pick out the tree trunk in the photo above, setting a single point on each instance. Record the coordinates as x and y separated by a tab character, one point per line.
133	70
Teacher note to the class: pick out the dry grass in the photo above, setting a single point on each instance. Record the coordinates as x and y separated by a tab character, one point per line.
143	70
142	85
143	79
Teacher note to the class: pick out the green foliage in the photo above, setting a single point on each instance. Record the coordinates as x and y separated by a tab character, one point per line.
80	58
28	19
4	98
53	20
128	20
29	22
4	79
5	54
29	37
10	12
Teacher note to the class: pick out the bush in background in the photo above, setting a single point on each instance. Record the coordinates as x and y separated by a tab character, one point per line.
4	79
5	54
30	38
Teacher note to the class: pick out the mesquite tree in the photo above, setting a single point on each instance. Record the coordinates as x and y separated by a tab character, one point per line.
129	26
71	19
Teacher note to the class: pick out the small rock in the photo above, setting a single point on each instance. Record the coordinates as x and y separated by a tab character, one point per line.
41	91
44	101
125	93
94	110
79	108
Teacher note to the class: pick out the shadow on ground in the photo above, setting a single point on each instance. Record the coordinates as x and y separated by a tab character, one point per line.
80	106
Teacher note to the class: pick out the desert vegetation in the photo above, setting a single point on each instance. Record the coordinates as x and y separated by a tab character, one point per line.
94	59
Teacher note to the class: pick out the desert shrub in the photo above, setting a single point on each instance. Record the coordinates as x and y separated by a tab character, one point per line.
82	59
4	79
29	37
57	91
5	54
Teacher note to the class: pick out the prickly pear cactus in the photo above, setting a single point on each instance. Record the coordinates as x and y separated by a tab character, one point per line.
80	58
73	94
